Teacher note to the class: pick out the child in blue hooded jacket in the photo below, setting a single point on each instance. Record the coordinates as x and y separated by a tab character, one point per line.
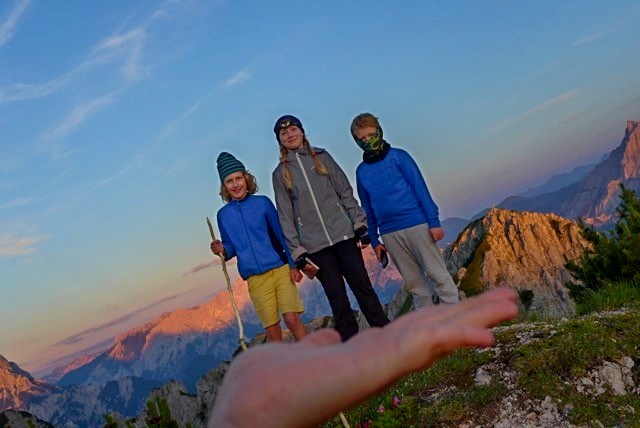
400	208
250	230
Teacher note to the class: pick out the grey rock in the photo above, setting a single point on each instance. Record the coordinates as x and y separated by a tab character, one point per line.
21	419
481	377
612	375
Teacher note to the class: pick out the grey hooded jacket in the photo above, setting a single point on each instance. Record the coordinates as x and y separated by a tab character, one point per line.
319	210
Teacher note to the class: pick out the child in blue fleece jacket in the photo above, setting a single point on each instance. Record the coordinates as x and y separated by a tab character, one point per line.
398	206
250	231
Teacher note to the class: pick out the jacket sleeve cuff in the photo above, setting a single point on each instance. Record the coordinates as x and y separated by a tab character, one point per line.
358	224
298	252
433	222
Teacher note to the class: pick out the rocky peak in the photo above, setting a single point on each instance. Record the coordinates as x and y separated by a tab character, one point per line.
58	372
522	251
18	388
631	155
597	196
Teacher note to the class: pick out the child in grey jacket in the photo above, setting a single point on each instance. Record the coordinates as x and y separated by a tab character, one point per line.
322	221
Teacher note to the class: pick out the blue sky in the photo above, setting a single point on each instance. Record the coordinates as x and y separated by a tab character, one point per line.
112	115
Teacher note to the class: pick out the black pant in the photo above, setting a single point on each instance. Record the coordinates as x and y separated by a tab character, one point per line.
344	261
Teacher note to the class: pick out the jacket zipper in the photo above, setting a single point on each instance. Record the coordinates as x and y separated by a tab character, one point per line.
313	198
244	225
299	229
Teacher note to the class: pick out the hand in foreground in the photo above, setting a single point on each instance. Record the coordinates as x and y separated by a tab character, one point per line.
308	382
296	276
217	247
437	233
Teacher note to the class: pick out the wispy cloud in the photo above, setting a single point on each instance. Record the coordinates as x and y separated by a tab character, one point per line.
25	91
128	46
76	117
237	78
594	37
90	189
11	246
78	337
552	102
9	24
16	202
626	105
569	118
203	266
560	99
122	47
175	125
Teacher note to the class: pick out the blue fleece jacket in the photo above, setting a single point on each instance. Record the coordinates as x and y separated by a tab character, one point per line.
250	230
394	195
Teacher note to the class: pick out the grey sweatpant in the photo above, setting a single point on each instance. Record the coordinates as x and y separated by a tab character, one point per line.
416	255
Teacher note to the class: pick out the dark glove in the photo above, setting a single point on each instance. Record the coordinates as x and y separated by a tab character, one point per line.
301	261
363	236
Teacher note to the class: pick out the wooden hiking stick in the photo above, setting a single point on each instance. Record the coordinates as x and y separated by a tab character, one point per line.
233	300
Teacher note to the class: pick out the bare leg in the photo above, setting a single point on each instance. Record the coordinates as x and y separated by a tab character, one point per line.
294	323
274	332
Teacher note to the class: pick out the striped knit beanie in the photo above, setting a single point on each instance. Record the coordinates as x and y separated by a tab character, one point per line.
228	164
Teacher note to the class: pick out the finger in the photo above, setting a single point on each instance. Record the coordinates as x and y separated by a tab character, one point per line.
486	309
489	312
322	337
437	342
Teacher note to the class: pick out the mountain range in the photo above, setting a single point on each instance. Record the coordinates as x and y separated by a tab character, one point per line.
589	192
524	251
186	343
181	345
501	247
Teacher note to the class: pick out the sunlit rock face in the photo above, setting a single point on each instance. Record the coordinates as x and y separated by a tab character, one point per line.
522	251
597	197
18	388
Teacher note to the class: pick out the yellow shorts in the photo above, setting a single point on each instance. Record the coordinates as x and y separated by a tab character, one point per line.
272	291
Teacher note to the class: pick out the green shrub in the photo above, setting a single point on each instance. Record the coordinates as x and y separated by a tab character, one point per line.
614	256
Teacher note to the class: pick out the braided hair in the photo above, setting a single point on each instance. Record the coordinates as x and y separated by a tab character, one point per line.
286	171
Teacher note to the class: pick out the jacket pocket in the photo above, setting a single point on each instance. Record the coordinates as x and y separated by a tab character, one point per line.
299	227
344	213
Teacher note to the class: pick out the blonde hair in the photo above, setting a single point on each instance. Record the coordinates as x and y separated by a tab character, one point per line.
252	187
286	172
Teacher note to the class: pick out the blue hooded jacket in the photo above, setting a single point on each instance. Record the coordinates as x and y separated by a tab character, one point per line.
394	195
250	231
